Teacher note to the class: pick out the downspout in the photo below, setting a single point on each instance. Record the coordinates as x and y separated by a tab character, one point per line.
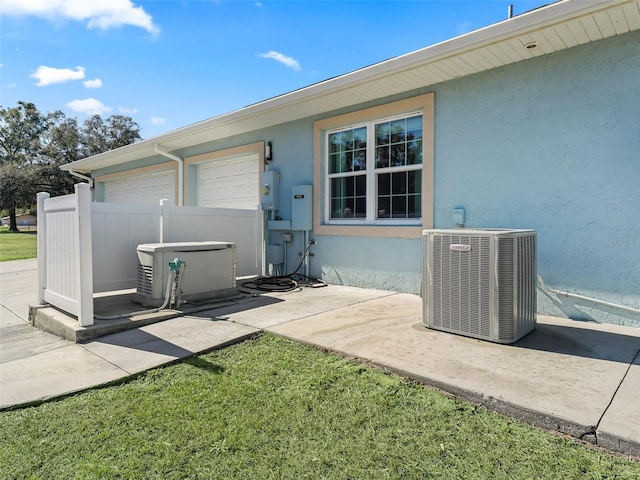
175	158
83	177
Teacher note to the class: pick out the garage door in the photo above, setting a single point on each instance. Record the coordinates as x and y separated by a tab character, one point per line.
148	188
229	184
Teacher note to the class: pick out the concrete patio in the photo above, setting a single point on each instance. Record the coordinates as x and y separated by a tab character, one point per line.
579	378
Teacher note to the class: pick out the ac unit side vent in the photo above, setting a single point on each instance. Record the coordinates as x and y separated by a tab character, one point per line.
480	283
506	288
145	279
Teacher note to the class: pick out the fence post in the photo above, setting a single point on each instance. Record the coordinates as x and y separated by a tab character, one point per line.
42	246
164	203
85	254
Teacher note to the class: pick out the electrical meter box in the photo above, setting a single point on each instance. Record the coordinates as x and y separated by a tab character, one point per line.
302	208
269	194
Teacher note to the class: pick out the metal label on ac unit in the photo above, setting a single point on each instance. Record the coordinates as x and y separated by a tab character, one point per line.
460	247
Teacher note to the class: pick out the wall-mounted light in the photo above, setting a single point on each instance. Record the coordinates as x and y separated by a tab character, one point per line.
268	152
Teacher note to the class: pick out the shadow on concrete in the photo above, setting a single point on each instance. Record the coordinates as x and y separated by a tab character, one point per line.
140	340
582	342
122	303
219	312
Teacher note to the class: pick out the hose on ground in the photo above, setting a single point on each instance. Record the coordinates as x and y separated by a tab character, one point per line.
285	283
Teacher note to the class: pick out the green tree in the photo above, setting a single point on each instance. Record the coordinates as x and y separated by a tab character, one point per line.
62	144
21	131
65	142
101	135
33	146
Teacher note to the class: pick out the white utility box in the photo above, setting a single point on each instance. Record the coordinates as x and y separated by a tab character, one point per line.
209	270
480	282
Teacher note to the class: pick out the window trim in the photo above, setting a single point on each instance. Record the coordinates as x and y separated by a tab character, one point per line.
423	104
370	172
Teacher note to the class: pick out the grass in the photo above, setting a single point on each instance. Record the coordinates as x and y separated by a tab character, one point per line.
271	408
16	246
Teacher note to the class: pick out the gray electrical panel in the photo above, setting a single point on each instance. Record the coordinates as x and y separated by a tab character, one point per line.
302	208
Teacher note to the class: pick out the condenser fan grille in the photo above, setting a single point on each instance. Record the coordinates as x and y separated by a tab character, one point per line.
480	283
465	281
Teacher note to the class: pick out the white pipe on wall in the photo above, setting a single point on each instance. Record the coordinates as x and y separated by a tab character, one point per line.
588	299
83	177
175	158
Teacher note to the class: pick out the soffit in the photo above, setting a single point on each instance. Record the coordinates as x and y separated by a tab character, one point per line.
555	27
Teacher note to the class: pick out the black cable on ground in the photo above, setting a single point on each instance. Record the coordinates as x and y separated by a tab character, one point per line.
279	283
286	283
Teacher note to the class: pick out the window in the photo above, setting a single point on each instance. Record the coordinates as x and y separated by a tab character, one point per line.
375	171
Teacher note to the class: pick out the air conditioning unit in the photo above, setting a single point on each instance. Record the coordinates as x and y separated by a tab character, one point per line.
209	270
480	282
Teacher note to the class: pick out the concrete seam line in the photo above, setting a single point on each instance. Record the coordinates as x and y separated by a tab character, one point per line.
101	357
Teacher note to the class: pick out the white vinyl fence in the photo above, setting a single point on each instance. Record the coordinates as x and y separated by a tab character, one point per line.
87	247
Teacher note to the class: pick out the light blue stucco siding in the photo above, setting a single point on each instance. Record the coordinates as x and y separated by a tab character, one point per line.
383	263
551	144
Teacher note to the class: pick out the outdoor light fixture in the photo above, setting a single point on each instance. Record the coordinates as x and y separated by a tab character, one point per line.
531	45
268	152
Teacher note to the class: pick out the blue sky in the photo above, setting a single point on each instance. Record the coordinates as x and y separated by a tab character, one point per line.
171	63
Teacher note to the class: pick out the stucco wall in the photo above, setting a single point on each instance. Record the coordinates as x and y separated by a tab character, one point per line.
551	144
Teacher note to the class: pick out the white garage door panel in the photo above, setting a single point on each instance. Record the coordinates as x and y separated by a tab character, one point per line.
230	184
149	188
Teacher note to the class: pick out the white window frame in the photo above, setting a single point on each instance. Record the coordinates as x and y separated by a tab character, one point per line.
424	103
371	173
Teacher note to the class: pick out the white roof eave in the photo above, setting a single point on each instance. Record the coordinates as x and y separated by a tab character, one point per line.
261	115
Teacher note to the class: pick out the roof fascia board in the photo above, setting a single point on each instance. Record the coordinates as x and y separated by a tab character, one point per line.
525	23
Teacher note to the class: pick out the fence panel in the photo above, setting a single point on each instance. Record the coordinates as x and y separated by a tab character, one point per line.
117	229
86	247
242	227
64	255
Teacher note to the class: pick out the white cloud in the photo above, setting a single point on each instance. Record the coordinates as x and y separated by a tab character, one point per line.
285	60
95	83
48	75
128	111
90	106
97	13
158	120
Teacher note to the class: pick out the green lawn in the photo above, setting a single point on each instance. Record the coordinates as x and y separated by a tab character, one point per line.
271	408
15	246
